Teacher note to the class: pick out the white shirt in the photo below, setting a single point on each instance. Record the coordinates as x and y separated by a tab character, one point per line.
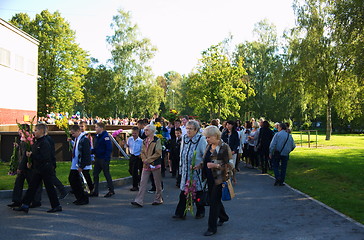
135	146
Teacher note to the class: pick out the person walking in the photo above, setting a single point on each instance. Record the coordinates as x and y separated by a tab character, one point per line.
24	174
231	137
81	162
102	151
216	168
41	163
135	144
151	156
280	147
192	141
264	140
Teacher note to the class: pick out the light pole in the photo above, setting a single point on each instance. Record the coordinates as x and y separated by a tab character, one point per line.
173	98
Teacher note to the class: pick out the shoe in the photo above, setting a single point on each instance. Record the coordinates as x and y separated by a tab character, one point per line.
76	201
179	217
282	184
35	205
199	216
63	195
208	233
133	189
81	202
56	209
93	194
14	204
21	209
220	223
136	204
276	183
109	194
151	190
157	203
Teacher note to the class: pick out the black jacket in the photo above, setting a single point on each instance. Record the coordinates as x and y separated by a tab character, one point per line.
41	157
84	152
233	141
264	139
175	148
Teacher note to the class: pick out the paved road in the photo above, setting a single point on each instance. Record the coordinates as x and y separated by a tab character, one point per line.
259	211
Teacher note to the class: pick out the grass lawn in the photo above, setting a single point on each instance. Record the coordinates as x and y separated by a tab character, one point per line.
118	169
333	173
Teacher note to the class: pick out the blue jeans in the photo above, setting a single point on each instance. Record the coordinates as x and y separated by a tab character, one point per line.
280	167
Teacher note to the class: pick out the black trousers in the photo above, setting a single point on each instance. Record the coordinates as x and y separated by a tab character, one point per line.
46	175
135	169
217	210
76	184
102	165
86	174
175	165
25	175
181	206
58	184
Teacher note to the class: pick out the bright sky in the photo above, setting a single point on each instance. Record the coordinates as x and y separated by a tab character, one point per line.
180	29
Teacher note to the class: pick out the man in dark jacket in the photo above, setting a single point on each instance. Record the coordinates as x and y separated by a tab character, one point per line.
264	139
81	161
102	151
24	173
41	163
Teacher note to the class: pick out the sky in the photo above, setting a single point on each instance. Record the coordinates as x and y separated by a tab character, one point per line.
180	29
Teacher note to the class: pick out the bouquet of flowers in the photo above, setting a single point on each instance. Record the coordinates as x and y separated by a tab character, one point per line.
171	115
63	124
159	133
117	134
27	136
190	188
14	160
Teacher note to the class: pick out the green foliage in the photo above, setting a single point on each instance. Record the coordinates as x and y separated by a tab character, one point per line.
217	88
62	64
136	92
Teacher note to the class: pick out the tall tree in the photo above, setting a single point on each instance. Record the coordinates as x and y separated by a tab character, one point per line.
130	57
217	86
62	64
325	67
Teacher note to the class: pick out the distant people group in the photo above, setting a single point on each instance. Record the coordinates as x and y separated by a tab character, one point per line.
189	150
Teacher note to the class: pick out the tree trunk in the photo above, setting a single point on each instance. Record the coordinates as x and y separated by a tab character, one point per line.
328	117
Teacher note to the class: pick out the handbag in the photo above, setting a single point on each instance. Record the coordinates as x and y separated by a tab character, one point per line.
277	154
227	191
202	197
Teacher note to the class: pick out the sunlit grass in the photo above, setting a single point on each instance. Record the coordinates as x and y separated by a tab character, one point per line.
118	169
332	173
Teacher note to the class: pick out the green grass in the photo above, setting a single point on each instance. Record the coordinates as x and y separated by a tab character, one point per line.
118	169
332	173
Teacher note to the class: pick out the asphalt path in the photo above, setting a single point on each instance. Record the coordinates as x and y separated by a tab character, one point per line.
259	211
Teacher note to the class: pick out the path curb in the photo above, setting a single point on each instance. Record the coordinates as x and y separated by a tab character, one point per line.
4	194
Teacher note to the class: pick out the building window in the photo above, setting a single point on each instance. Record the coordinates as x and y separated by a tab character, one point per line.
31	68
4	57
19	63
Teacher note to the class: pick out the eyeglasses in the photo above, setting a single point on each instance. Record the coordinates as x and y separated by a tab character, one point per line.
187	128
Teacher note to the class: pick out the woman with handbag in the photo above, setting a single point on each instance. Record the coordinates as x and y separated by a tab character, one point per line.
216	169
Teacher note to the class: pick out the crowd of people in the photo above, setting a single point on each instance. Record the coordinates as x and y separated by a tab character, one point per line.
208	154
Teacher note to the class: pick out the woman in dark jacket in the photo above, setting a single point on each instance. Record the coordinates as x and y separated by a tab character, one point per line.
231	137
264	139
216	167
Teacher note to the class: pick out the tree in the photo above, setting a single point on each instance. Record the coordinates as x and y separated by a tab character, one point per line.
62	64
263	65
323	64
130	56
217	86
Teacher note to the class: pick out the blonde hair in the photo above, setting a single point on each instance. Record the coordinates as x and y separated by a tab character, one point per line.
212	131
255	125
151	127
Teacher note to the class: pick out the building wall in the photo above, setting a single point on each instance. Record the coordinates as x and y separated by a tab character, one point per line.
18	74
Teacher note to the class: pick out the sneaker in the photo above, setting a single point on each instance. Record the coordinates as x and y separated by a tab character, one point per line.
151	190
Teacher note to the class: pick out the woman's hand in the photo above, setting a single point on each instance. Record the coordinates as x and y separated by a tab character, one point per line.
28	154
213	165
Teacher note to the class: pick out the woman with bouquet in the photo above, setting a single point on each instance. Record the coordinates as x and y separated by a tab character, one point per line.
191	142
